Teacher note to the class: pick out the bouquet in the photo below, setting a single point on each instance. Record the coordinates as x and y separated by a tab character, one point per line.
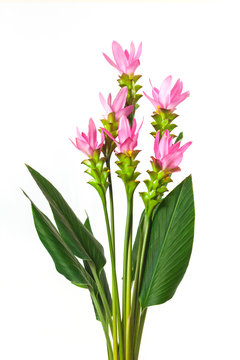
156	258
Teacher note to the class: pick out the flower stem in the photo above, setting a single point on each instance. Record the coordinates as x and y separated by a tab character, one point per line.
103	297
127	268
115	295
104	325
111	205
139	333
135	320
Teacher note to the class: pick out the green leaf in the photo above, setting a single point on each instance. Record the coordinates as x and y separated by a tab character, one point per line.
65	262
170	245
75	235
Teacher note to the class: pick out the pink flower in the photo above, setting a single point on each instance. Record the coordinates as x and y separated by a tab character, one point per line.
167	98
127	136
168	155
88	143
118	104
125	62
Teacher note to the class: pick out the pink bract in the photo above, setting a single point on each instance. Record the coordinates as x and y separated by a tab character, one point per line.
117	106
125	62
88	143
165	97
127	136
168	155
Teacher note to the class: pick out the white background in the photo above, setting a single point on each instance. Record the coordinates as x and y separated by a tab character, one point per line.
51	70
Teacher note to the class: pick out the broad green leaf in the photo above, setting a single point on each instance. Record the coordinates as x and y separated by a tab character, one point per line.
65	262
75	235
170	245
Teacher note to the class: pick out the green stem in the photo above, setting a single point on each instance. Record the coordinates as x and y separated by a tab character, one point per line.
116	305
138	279
104	325
127	268
103	296
139	333
111	205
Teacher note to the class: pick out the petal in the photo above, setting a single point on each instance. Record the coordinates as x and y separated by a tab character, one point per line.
78	132
109	100
126	145
155	91
164	92
163	144
126	111
139	51
124	129
154	102
119	56
132	66
137	133
109	134
177	89
171	161
102	140
179	99
111	62
92	134
84	147
185	147
156	145
127	54
132	52
105	104
120	99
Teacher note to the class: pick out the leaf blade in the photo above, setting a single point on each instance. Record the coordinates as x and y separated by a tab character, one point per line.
76	236
170	245
65	262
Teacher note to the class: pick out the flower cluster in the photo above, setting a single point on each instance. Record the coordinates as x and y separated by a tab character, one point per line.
120	127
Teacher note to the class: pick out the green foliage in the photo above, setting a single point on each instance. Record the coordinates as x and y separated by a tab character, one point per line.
170	245
74	234
65	262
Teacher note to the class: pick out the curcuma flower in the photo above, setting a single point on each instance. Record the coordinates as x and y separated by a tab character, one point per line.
88	143
165	97
117	106
168	155
125	62
127	136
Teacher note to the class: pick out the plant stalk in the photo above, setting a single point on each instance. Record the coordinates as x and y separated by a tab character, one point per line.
127	268
104	325
116	305
103	297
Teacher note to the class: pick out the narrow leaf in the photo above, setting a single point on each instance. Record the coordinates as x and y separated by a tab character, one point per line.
76	236
170	245
65	262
